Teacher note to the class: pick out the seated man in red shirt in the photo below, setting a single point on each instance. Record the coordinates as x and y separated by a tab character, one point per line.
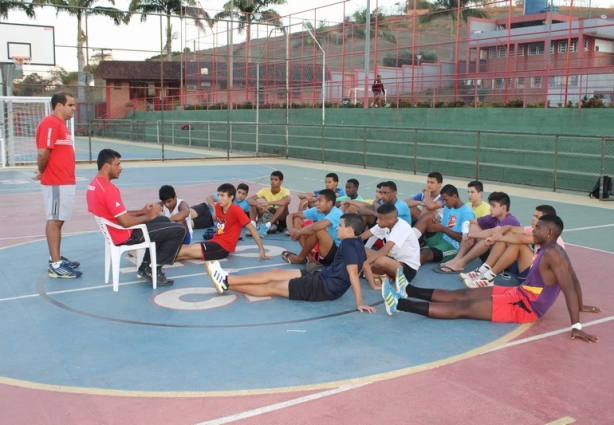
104	200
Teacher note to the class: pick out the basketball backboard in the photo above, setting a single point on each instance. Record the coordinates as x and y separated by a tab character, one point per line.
35	42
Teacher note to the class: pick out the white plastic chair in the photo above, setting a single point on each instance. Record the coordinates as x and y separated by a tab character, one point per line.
113	253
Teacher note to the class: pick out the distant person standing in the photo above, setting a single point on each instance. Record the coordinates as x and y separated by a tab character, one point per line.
56	172
378	89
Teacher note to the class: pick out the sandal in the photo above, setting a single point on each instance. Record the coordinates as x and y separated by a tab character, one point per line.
285	256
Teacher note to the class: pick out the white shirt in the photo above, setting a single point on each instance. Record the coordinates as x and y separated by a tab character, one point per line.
406	247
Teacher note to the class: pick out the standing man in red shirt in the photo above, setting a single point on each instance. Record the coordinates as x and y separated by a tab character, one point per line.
56	172
104	200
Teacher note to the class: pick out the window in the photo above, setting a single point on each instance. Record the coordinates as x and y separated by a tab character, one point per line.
492	52
536	49
551	47
573	47
563	47
117	85
499	83
520	82
561	80
138	90
586	45
521	51
512	49
501	51
536	82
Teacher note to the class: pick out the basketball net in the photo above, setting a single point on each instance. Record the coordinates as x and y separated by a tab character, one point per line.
19	61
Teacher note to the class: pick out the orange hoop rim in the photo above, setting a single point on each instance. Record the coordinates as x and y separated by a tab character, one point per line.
20	60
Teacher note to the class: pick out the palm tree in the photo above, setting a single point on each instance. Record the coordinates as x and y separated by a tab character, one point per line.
79	9
250	11
6	6
359	19
171	8
448	8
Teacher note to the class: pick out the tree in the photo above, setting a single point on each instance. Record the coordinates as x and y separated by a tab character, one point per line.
31	85
171	8
448	8
79	9
359	19
249	11
7	6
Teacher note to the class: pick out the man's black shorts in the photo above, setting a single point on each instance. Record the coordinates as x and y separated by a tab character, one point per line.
308	287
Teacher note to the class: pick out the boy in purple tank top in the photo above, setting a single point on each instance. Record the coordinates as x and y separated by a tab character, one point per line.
550	274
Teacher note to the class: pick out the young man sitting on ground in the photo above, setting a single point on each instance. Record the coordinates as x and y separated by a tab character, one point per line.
400	247
388	191
475	191
473	244
308	200
442	240
550	274
229	219
327	284
177	210
317	225
269	206
353	205
203	215
511	251
429	200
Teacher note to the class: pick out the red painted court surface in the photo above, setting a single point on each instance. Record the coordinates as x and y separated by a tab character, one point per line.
76	353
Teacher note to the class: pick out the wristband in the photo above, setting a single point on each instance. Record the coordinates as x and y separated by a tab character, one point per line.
465	227
577	326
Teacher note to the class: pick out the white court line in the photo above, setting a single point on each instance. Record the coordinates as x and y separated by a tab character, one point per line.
278	406
589	248
108	285
588	228
548	334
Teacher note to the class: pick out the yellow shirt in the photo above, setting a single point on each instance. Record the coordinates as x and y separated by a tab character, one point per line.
270	196
482	210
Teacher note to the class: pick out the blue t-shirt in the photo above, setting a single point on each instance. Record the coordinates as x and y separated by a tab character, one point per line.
338	192
243	204
453	219
335	278
333	216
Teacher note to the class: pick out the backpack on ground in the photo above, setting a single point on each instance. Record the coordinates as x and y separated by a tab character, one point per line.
607	188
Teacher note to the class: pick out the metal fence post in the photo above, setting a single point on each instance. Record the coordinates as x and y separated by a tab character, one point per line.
189	133
415	151
364	148
323	146
477	157
208	136
556	163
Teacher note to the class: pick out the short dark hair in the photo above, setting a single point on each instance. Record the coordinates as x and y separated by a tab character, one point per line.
278	173
329	195
386	209
554	220
390	184
477	184
333	176
501	198
60	98
380	184
546	209
106	156
228	189
450	190
167	192
354	182
437	176
354	221
243	186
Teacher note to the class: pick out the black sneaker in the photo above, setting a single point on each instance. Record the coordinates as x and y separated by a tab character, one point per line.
140	273
71	264
162	279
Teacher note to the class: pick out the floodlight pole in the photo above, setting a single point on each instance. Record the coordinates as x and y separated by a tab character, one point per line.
367	52
323	71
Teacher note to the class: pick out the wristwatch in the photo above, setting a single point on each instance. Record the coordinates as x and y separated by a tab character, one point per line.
577	326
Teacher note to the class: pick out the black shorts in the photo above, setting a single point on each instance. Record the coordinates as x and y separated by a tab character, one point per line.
328	260
213	251
308	287
408	272
204	219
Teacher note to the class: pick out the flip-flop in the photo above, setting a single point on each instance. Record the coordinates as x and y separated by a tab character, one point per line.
286	254
446	270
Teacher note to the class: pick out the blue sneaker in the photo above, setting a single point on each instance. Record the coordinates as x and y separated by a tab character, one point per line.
262	230
391	298
72	264
401	283
64	271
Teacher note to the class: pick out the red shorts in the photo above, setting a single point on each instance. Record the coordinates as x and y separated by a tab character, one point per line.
509	306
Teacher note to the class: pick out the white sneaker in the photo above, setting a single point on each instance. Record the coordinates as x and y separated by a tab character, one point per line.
478	283
217	275
471	275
